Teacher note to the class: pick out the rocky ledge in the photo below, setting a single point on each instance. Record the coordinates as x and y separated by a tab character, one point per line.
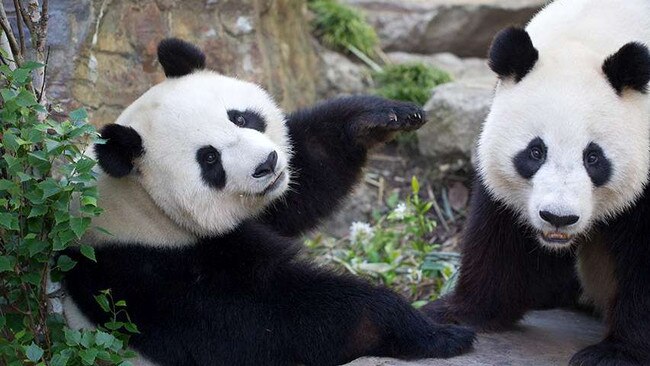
543	338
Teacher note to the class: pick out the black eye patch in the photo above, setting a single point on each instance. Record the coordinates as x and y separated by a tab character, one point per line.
212	171
247	119
597	165
528	161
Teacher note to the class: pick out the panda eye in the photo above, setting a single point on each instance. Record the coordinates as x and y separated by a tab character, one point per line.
536	153
592	158
211	158
240	121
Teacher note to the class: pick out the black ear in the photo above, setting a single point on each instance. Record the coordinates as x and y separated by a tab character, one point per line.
629	68
123	145
512	53
179	58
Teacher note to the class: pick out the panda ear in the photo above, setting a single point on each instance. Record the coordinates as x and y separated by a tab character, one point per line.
123	145
179	58
629	67
512	53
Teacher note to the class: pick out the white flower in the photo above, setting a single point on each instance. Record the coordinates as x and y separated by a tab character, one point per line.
400	211
361	232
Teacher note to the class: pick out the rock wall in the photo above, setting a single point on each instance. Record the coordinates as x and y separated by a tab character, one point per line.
103	52
462	27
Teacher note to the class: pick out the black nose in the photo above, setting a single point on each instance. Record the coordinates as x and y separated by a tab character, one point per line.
266	167
558	221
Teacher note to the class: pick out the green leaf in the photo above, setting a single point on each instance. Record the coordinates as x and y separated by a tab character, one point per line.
9	221
20	76
87	339
104	339
50	187
102	300
114	325
121	303
37	211
25	98
415	185
72	336
88	252
84	165
88	356
89	201
79	225
65	263
34	352
60	360
6	185
78	115
6	263
32	65
8	94
131	328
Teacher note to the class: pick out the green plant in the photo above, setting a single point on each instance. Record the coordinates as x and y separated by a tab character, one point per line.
410	82
392	251
47	200
342	28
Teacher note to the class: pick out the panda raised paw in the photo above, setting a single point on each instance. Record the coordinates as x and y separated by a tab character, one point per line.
381	123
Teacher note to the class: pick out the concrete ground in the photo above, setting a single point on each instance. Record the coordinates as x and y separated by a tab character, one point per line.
542	338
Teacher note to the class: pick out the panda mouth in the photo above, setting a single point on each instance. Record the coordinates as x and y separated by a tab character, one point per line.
556	237
274	184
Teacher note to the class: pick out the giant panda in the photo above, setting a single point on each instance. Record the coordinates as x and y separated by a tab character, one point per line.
560	212
206	186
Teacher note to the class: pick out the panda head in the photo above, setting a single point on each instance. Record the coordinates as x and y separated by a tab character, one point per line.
209	150
566	143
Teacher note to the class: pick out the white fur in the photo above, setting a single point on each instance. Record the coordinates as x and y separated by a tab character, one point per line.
164	201
567	101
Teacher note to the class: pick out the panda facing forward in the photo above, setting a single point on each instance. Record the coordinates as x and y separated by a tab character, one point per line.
205	184
563	163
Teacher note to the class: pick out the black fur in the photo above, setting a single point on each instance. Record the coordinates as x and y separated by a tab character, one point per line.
629	68
504	273
123	145
179	58
526	162
247	119
512	54
330	143
601	171
628	338
245	298
212	171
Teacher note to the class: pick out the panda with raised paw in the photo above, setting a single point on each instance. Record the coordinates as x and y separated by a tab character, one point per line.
205	185
561	206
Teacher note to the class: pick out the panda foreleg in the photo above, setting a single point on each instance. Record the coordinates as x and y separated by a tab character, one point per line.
504	272
336	319
330	142
628	315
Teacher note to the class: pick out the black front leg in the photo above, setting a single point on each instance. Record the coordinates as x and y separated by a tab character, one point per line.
628	338
504	272
330	143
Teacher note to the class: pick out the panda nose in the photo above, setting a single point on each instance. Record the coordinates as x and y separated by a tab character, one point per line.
266	167
558	221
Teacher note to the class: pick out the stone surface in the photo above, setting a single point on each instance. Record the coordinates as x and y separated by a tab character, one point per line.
463	27
341	76
104	52
544	338
471	70
455	112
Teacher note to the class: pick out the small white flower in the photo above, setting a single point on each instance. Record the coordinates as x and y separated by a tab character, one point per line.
400	211
361	232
